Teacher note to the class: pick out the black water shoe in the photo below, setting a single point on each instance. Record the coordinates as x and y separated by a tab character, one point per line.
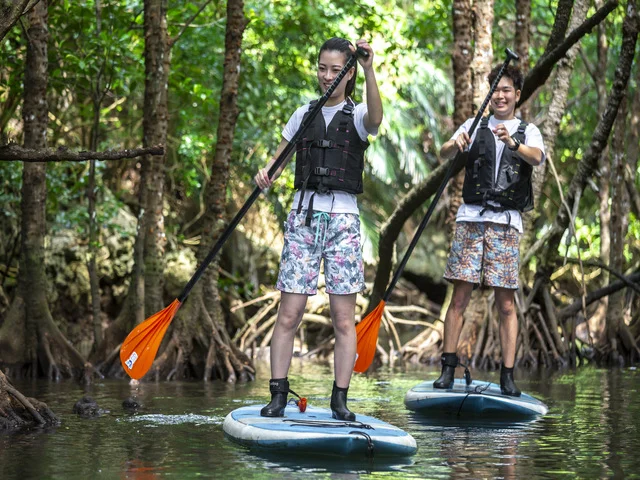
507	385
449	364
339	409
279	388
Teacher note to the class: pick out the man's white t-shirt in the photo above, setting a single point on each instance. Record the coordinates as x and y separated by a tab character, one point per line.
533	138
335	201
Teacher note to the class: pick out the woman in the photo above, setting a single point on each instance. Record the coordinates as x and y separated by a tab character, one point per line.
324	222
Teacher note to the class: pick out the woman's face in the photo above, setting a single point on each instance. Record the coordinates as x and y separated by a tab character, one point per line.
330	65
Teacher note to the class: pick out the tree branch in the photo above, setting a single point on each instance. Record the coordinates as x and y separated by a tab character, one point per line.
540	73
15	153
599	264
173	40
575	307
11	13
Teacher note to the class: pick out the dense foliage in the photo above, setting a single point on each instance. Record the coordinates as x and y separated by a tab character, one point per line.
99	62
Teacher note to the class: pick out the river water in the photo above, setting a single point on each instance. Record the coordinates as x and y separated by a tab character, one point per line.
592	430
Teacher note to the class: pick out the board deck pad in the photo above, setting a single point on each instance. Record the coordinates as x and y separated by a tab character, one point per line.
479	398
315	432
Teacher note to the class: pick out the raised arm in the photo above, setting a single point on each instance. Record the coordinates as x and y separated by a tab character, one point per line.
373	117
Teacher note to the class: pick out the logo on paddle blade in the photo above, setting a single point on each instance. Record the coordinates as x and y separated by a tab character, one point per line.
132	359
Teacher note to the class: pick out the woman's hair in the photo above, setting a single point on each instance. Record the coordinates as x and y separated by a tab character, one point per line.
511	72
341	45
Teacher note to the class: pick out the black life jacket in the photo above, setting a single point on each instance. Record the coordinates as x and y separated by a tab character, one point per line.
330	158
512	189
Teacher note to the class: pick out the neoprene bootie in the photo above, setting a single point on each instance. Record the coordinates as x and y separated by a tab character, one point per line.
339	409
507	385
279	388
449	364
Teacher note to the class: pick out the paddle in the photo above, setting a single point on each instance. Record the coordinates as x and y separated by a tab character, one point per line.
141	345
367	329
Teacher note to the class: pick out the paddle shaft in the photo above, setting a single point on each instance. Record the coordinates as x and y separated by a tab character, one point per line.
510	56
281	158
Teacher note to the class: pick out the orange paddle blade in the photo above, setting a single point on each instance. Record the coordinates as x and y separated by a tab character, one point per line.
140	347
367	338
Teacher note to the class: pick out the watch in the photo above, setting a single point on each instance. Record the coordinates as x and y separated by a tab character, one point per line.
516	146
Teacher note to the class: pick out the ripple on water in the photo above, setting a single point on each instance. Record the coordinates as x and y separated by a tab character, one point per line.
158	419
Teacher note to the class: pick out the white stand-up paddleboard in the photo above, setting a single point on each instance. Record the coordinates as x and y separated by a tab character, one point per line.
478	398
315	432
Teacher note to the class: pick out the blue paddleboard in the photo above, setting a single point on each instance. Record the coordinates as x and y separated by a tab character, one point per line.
479	398
315	432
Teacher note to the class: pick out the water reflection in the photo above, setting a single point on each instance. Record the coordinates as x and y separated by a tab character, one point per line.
474	448
322	463
591	431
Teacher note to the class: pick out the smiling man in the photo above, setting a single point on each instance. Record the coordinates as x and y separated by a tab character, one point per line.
497	189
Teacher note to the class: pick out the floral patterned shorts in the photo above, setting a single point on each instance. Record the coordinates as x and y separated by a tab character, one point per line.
484	252
334	237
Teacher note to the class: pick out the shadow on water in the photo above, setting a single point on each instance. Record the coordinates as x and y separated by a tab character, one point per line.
488	422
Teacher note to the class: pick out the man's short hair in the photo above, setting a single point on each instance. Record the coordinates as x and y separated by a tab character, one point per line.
511	72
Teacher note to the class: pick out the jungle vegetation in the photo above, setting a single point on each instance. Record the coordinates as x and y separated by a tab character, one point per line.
130	132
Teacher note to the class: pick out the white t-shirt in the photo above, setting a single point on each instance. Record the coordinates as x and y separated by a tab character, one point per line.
335	201
533	138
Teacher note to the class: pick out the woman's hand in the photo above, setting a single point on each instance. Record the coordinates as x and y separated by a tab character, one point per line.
262	179
366	62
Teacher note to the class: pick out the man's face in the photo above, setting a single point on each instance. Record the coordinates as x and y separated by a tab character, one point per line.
504	99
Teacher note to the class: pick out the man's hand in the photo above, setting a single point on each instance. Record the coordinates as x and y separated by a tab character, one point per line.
463	141
503	134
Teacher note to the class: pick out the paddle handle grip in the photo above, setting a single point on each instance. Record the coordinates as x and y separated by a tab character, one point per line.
274	167
452	166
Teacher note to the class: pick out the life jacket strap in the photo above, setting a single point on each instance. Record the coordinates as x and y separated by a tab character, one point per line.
309	217
306	173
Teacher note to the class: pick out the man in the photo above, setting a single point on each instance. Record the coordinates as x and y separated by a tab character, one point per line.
497	189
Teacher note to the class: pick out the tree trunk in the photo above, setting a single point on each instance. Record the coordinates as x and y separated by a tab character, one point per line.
633	154
201	346
620	343
560	24
521	43
597	323
30	342
144	296
633	158
480	67
157	59
18	411
463	92
94	230
483	51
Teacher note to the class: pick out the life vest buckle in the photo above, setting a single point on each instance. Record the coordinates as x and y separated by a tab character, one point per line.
324	143
321	171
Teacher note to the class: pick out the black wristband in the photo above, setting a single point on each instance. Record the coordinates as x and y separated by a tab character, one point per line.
516	146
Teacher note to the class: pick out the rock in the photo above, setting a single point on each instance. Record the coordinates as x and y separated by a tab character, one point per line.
87	407
130	404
